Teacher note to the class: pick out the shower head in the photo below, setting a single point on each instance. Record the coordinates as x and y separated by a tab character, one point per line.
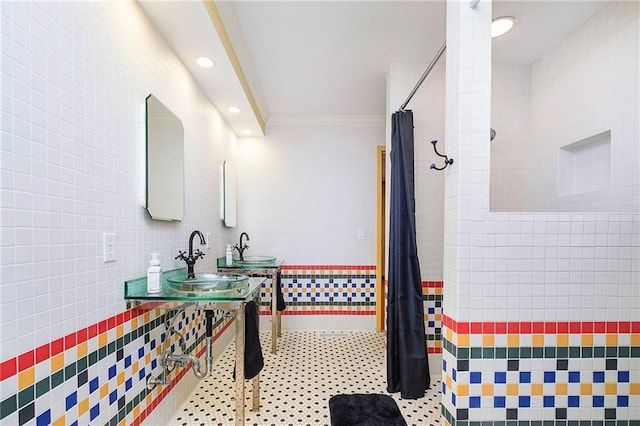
492	135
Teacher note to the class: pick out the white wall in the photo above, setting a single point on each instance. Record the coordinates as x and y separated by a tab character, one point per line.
304	191
74	79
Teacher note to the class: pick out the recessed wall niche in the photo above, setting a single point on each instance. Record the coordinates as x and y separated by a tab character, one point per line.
585	166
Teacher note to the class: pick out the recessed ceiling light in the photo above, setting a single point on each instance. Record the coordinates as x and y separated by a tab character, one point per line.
204	62
233	109
502	25
247	132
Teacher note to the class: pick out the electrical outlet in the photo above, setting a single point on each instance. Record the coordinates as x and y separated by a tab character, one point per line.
109	247
362	235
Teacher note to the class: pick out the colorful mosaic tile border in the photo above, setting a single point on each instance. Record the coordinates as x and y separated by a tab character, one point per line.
432	302
325	290
582	373
98	374
432	305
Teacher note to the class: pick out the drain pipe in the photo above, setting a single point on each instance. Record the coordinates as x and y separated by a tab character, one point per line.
195	362
163	378
169	362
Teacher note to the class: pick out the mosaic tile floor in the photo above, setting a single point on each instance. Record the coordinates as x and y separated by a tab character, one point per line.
297	382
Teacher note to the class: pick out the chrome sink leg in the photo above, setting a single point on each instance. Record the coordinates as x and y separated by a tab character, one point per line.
279	323
278	313
255	405
239	391
274	313
255	400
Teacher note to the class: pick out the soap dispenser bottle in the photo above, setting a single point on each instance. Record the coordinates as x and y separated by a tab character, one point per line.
229	257
154	274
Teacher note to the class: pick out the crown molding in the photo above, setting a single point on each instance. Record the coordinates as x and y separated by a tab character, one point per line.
327	120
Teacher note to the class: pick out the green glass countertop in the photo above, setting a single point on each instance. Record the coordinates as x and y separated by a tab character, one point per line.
136	289
237	264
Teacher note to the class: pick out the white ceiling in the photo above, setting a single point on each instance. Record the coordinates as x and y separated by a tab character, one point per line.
329	58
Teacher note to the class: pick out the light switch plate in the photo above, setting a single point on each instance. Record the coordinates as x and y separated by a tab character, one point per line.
108	247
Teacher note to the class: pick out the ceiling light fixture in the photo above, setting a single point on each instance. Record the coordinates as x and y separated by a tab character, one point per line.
502	25
233	109
247	132
205	62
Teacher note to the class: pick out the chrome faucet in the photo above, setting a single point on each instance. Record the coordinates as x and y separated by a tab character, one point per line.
190	260
240	247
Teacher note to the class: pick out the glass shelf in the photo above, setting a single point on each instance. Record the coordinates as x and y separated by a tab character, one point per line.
136	290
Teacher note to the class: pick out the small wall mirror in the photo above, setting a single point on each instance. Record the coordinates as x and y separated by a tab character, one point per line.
165	162
229	195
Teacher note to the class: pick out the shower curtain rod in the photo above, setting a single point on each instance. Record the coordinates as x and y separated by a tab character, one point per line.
424	75
472	4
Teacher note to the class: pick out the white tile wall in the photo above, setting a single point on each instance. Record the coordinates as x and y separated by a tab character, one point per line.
585	85
511	166
585	166
74	79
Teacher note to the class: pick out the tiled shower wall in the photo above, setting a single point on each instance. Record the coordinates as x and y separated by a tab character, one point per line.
511	168
74	80
585	85
540	310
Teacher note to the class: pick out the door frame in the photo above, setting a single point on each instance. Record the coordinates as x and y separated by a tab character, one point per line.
380	237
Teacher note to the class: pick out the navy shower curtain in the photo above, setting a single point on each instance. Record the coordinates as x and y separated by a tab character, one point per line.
407	363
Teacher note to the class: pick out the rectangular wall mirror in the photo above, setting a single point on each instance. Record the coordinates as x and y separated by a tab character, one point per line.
229	195
165	162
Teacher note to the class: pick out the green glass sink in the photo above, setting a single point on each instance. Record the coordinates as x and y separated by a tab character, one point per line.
209	282
249	263
255	260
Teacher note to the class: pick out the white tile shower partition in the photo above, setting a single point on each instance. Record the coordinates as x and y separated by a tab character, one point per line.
518	269
520	167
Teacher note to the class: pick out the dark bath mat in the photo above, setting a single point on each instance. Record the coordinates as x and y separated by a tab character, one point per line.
365	410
